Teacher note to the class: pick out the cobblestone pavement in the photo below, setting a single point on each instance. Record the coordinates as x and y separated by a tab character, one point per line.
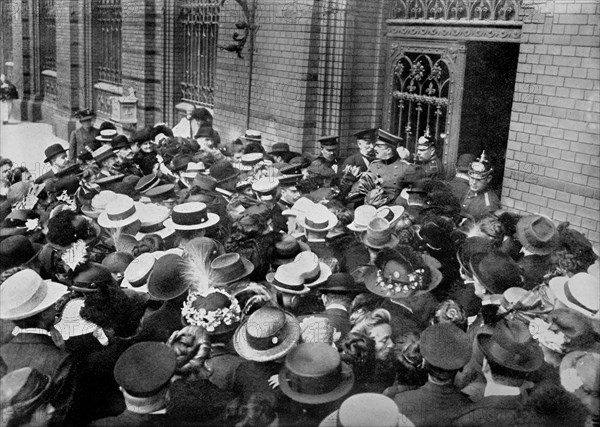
24	143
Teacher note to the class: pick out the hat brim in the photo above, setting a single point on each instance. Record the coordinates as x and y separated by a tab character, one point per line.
393	242
91	213
532	364
248	268
280	261
54	292
315	399
163	233
291	331
12	231
212	220
323	275
547	249
397	210
141	289
370	281
109	179
269	278
159	189
356	228
331	222
557	286
105	222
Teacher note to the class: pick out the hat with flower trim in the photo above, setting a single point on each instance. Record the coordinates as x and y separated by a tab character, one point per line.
216	311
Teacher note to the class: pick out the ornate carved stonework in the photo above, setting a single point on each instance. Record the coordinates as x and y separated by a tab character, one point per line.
504	33
476	10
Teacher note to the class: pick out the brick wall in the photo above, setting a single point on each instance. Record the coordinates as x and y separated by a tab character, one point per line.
552	160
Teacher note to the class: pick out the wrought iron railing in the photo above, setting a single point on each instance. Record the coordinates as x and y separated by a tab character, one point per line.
199	20
108	15
47	35
467	10
420	97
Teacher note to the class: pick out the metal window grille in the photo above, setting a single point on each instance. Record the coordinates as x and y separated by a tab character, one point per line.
470	10
108	14
48	35
7	40
332	14
420	97
199	20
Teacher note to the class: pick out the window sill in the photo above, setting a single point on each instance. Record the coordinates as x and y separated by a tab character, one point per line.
109	87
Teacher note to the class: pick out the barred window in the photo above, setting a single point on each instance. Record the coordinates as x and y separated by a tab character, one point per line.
48	35
108	18
199	22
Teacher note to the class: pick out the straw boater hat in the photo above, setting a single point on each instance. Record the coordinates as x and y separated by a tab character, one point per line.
119	213
579	293
137	273
229	268
249	160
363	215
192	169
313	271
191	216
106	135
267	334
98	203
25	294
318	219
379	235
253	136
287	280
314	374
152	217
537	234
391	214
366	409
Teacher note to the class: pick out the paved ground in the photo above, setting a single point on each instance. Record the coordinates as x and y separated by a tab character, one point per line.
24	143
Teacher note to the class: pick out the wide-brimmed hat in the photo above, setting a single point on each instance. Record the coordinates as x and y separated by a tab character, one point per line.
83	115
446	346
286	249
191	216
363	215
366	409
300	207
22	390
391	214
119	213
117	262
152	217
106	135
253	136
537	234
579	293
287	280
267	334
205	182
91	278
16	251
103	153
223	171
145	368
471	246
138	272
379	235
216	311
52	151
315	374
511	346
341	283
586	366
394	276
312	271
166	280
25	294
147	182
280	147
98	203
229	268
496	271
119	142
317	219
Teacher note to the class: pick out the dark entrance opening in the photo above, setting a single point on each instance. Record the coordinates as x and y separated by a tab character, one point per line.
487	102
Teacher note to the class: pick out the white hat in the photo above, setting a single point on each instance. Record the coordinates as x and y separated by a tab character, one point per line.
191	216
318	219
119	213
25	294
362	217
580	293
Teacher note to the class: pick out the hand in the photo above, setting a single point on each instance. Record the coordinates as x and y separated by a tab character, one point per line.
403	153
274	381
352	170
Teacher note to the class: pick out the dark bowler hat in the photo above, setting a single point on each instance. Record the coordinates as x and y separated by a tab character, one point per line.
280	147
341	283
445	346
90	279
267	334
386	138
218	312
145	368
229	268
52	151
331	141
180	162
223	170
166	281
286	249
367	134
16	251
496	271
315	374
119	142
22	390
511	346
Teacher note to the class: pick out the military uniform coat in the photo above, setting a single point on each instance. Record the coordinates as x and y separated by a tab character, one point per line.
391	172
479	205
81	138
433	169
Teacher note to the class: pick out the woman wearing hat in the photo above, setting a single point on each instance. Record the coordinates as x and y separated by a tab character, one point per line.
25	398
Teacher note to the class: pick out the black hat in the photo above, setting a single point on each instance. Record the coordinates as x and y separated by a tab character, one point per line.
145	368
16	251
120	141
331	141
496	271
367	134
445	346
90	279
205	132
83	115
223	170
291	169
180	162
280	147
341	283
289	180
166	281
387	138
53	151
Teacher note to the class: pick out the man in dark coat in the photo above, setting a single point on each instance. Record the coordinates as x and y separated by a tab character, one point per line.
83	137
337	293
29	302
365	139
446	349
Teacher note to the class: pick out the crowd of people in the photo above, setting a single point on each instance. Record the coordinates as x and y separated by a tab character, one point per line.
170	278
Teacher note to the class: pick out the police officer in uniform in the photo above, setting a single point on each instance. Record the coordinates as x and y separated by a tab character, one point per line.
330	147
427	163
389	169
479	200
